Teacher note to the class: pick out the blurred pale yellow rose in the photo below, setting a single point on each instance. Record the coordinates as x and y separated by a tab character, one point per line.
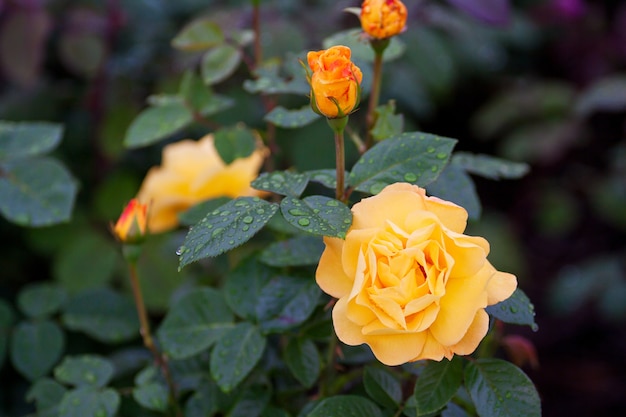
409	283
190	172
383	18
335	83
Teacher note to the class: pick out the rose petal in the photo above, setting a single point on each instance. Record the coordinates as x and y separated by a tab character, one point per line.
329	275
393	204
500	286
475	333
464	296
452	216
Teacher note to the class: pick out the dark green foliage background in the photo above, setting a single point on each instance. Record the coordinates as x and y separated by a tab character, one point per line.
547	89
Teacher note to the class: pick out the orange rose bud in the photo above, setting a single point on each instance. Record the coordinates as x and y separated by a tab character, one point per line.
131	226
335	83
383	18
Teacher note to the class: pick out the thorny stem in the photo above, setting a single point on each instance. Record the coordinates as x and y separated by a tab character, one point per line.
148	342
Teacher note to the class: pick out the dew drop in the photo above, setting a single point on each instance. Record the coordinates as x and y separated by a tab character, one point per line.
248	219
513	309
217	231
442	155
304	222
430	149
297	212
376	188
245	228
410	177
180	251
332	203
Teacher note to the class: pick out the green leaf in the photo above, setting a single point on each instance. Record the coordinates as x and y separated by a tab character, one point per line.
318	215
517	309
6	321
388	123
77	256
195	323
244	285
269	81
303	360
489	166
291	119
102	314
200	97
499	388
297	251
84	371
41	300
242	37
453	410
235	142
24	139
197	212
90	402
36	347
382	387
286	302
236	354
413	157
153	396
360	47
225	228
281	182
344	405
36	192
198	35
456	186
205	401
437	384
47	395
606	94
219	63
326	177
251	402
156	123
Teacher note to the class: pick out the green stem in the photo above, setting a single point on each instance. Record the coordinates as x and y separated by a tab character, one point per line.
148	341
340	162
374	97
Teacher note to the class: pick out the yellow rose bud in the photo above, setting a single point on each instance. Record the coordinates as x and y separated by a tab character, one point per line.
131	226
409	283
383	18
335	83
191	172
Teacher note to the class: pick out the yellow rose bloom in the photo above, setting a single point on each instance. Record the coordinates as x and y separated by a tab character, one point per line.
383	18
335	83
190	172
409	283
132	224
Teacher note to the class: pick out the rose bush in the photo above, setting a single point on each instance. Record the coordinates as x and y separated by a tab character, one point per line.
335	83
193	171
409	283
383	18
